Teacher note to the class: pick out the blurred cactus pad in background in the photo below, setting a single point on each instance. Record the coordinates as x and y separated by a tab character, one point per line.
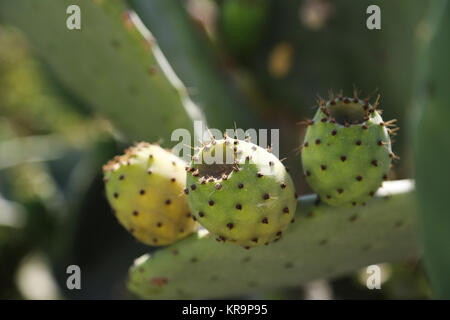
151	225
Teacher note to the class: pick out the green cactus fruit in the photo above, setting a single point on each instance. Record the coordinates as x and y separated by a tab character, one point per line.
347	153
145	189
240	192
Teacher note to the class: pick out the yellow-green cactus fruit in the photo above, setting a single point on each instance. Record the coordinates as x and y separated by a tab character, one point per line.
145	188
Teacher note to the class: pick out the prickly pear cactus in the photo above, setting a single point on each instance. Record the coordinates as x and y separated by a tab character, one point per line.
145	189
347	151
240	192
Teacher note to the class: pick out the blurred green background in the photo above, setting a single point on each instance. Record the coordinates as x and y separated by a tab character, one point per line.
261	63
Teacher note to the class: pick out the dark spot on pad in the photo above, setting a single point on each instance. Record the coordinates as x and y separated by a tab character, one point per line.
186	191
358	178
323	242
201	214
142	192
116	195
121	177
193	187
159	224
211	202
265	221
374	163
333	133
259	174
135	213
283	185
168	202
343	158
317	141
266	196
239	206
286	210
358	143
240	185
340	191
323	167
230	225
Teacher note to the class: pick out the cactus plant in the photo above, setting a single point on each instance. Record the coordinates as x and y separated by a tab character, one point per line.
240	192
347	151
145	188
250	201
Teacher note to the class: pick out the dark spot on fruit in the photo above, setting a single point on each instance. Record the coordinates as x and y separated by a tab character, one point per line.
194	218
181	230
333	133
186	191
201	214
135	213
255	240
358	178
155	240
159	224
358	143
286	210
188	215
173	179
149	171
168	201
142	192
174	163
239	206
270	163
374	163
230	225
323	167
317	141
266	196
283	185
235	142
265	221
193	187
343	158
398	224
116	195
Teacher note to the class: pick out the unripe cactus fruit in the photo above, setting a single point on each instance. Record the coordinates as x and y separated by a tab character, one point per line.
240	192
347	153
145	189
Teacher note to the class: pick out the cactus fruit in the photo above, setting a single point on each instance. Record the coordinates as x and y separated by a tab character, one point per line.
145	189
240	192
347	153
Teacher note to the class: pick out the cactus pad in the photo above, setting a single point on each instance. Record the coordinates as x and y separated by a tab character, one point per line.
145	189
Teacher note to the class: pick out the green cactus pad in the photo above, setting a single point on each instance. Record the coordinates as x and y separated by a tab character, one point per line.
325	242
145	189
347	151
240	192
